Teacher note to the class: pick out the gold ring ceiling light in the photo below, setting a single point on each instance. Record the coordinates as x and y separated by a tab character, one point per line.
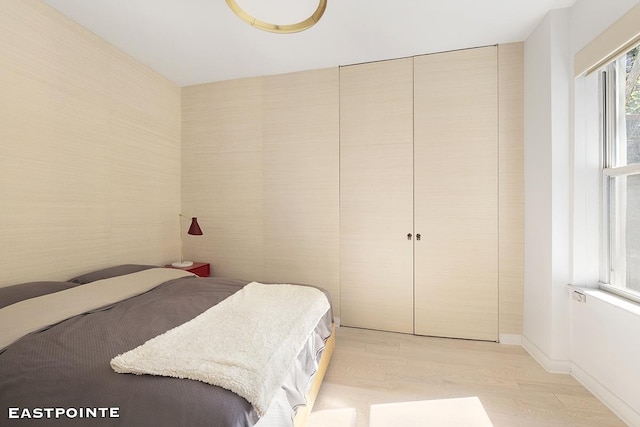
279	28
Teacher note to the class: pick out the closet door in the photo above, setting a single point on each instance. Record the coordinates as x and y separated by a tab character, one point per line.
456	194
376	196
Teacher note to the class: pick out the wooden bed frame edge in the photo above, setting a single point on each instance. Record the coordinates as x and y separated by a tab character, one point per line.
303	413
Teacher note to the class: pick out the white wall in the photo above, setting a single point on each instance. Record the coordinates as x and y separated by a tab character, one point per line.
606	350
537	189
604	347
547	178
597	341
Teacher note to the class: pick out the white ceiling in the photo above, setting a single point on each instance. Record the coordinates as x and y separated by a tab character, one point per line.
198	41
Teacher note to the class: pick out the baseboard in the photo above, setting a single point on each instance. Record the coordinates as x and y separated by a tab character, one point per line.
510	339
617	406
550	365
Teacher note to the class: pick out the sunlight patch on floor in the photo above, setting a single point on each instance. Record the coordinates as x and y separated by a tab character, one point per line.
465	411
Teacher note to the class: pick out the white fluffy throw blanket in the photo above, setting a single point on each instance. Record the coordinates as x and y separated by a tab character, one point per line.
245	344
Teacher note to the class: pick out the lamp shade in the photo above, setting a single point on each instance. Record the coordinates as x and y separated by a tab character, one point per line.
194	229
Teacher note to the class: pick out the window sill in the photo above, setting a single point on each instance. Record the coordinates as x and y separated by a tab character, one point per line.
607	297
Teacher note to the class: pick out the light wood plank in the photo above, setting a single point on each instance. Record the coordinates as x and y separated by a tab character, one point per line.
373	367
376	175
456	194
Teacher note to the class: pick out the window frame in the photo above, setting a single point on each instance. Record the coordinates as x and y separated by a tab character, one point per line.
612	132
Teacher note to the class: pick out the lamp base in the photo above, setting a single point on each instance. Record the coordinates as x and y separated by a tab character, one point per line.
182	264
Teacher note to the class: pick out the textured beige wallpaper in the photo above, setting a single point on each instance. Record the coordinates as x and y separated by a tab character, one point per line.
91	164
260	169
89	151
511	179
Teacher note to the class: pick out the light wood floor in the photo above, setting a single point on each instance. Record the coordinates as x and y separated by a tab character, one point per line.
371	367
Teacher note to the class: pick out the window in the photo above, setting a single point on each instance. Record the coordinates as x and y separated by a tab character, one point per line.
620	111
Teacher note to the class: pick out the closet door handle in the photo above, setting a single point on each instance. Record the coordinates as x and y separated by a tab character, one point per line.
409	236
418	236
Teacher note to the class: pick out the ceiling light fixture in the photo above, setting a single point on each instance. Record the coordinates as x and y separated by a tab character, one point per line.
279	28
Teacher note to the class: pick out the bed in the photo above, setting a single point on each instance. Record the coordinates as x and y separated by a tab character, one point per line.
65	373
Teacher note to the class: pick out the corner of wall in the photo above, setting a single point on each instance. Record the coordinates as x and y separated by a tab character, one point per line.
547	191
551	365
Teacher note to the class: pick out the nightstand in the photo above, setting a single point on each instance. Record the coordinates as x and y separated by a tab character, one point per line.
202	269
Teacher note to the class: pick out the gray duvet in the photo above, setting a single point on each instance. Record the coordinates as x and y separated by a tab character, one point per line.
66	367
